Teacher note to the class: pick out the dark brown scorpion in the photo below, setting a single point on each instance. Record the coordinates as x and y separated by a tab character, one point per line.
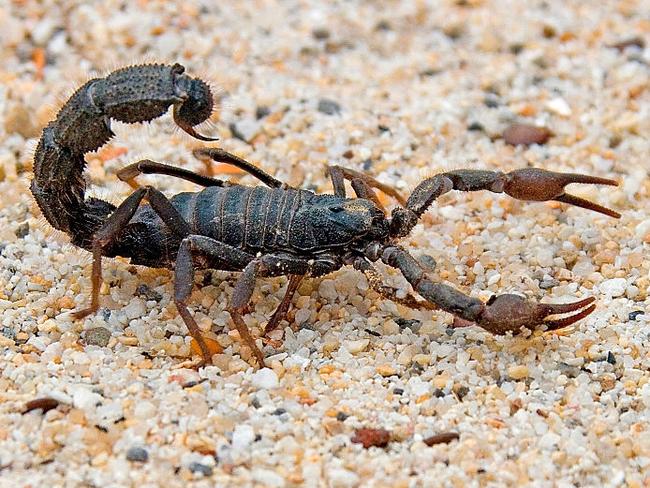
261	231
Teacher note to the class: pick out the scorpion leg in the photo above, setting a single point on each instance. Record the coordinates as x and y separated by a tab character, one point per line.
148	167
221	156
213	254
116	222
363	190
501	314
281	312
270	265
339	174
377	283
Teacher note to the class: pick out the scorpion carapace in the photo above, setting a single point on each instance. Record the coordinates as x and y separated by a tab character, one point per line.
266	230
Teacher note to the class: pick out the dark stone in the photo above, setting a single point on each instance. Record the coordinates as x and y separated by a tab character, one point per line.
633	315
328	107
279	411
341	416
491	101
476	126
398	391
383	25
461	392
145	291
201	468
439	393
137	454
610	357
412	324
22	230
262	111
320	33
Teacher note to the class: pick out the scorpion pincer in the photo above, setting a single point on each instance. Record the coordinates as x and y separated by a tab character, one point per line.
261	231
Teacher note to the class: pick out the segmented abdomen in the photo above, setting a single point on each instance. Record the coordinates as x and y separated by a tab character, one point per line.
250	218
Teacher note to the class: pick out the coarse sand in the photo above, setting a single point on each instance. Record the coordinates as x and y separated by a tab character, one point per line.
401	90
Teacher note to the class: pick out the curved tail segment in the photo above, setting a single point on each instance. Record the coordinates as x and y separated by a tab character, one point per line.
134	94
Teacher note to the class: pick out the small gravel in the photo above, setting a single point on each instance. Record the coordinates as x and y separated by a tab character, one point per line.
403	93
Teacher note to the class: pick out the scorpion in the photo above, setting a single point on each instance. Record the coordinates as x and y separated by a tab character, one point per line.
266	230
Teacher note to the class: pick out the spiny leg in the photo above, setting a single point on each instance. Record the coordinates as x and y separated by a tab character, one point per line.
502	314
530	184
221	156
116	222
282	309
339	174
214	254
148	167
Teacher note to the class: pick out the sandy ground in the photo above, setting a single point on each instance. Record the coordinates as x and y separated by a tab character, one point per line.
401	90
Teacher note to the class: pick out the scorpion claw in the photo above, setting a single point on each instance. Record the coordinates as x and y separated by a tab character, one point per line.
541	185
581	202
511	313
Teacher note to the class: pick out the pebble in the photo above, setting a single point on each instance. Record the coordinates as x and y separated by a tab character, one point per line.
327	290
386	370
137	454
518	372
243	436
135	309
98	336
200	469
355	347
342	478
265	378
145	410
525	134
559	106
268	478
614	287
328	107
84	399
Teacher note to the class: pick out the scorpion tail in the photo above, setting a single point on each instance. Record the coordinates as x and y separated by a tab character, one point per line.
131	95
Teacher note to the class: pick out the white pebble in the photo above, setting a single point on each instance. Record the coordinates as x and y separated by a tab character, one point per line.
559	106
135	309
85	399
269	478
265	378
242	436
342	478
614	287
144	410
642	229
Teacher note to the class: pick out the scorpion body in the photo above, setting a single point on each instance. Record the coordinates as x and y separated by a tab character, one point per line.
260	231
